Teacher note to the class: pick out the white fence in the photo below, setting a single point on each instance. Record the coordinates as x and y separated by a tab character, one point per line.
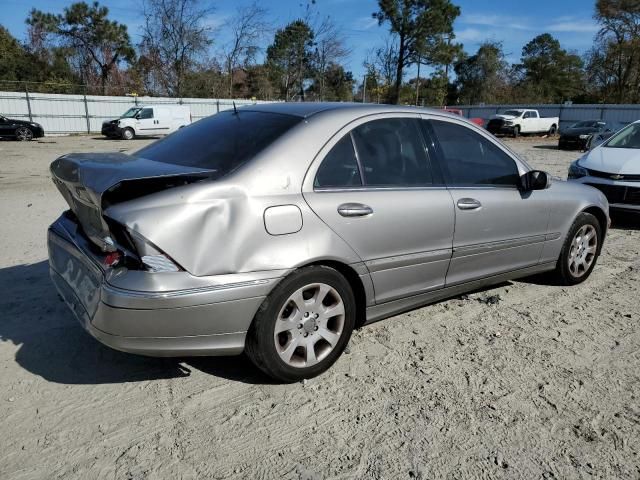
568	114
60	114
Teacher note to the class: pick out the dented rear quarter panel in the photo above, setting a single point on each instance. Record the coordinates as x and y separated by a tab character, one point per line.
217	227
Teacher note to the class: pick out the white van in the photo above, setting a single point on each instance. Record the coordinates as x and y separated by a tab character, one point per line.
145	120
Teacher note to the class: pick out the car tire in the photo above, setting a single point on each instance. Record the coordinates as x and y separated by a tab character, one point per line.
291	337
128	134
552	130
576	261
516	131
24	134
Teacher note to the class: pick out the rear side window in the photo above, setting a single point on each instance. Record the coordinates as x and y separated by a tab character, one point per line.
391	153
469	159
340	167
221	142
146	113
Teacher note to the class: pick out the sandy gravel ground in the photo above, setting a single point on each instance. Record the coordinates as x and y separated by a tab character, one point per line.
521	381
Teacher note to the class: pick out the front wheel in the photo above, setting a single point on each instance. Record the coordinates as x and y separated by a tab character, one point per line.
303	326
24	134
516	131
580	250
128	134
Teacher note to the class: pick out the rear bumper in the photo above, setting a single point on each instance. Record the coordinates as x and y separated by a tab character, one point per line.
145	313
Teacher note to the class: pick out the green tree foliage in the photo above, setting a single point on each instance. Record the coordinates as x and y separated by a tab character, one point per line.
613	65
19	63
290	57
483	77
337	85
423	28
101	43
550	74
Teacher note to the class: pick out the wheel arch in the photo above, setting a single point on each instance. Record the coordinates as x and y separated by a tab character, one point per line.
602	218
358	288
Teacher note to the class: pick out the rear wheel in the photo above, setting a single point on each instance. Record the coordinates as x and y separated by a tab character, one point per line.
580	250
128	134
24	134
552	130
303	326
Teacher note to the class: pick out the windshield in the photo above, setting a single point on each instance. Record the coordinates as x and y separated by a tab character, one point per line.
588	124
221	142
513	113
628	137
131	112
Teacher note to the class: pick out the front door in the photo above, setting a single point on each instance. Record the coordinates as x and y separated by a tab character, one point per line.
376	188
146	122
498	227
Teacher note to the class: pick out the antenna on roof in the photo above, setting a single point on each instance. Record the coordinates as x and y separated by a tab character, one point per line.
235	110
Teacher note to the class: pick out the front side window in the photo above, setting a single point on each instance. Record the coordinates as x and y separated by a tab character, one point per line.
340	167
221	142
469	159
391	153
146	113
131	112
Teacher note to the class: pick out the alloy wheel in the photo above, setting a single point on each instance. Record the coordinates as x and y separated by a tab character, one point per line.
24	134
309	325
583	250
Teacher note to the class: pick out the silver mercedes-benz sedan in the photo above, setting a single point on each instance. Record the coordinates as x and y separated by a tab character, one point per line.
277	229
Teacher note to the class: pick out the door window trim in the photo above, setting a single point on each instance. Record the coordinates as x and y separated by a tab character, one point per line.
434	144
438	182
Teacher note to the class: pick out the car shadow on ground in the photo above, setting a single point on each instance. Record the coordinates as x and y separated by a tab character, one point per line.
549	147
625	221
53	345
134	139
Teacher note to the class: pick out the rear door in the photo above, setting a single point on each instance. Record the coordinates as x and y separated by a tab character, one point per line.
498	227
376	187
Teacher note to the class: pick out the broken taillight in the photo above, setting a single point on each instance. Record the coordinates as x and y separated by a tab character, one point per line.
112	259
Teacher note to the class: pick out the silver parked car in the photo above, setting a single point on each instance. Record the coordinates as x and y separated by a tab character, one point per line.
614	168
277	229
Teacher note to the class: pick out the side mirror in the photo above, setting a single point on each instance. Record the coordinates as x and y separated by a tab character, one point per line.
137	116
535	180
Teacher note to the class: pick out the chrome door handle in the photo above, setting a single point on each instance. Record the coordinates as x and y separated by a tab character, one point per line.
468	204
354	210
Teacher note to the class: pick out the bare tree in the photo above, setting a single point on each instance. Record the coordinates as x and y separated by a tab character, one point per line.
330	49
248	28
175	36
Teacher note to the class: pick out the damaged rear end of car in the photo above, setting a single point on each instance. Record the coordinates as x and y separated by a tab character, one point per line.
125	257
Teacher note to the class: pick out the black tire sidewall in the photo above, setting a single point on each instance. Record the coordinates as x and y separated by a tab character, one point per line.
562	268
124	134
260	346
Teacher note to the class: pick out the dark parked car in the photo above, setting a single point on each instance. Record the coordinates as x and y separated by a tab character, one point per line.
20	129
577	136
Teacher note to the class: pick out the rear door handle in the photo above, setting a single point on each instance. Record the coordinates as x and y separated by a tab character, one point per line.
354	210
468	204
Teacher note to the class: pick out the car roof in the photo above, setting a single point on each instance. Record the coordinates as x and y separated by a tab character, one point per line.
308	109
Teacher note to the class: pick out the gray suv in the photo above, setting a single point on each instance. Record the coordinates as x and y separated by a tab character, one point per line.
277	229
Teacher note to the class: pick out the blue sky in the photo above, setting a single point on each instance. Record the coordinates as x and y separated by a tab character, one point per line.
512	23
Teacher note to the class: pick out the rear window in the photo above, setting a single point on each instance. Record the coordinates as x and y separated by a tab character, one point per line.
221	142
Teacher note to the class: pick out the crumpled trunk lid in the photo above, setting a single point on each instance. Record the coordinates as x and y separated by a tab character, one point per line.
90	182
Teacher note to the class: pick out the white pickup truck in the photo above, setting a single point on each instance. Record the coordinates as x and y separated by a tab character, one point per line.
516	121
